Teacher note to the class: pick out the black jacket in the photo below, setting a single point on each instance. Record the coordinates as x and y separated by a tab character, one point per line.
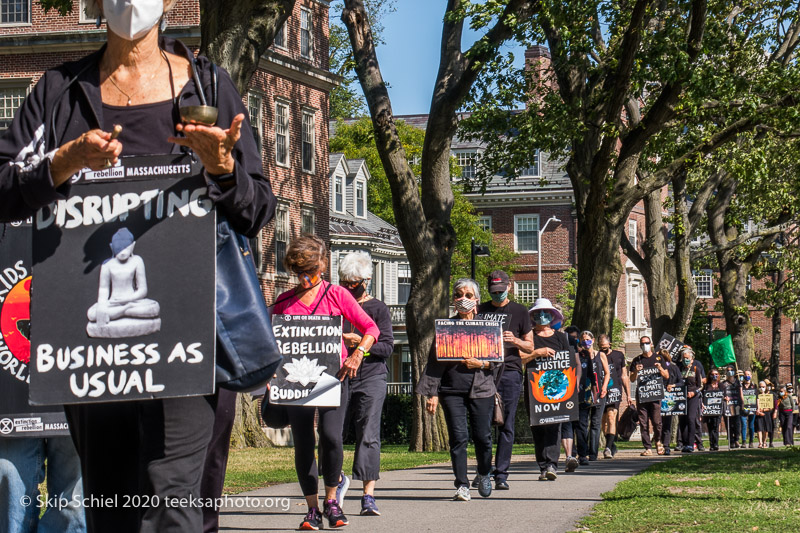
56	112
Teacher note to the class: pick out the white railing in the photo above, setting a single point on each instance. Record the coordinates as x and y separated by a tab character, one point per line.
632	334
398	314
399	388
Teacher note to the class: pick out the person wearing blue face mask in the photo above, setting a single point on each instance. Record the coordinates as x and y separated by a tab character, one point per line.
692	373
748	415
517	335
592	397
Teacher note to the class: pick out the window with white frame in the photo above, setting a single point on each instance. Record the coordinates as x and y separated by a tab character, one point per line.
338	194
704	281
15	11
82	17
256	123
11	97
633	234
361	199
282	133
306	43
526	233
403	283
307	220
280	37
533	169
308	141
466	160
485	222
281	236
526	291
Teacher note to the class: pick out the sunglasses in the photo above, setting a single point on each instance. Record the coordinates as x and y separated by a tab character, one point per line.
352	284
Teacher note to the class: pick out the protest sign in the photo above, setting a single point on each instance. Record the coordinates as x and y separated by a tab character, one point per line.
750	399
714	403
311	345
649	385
124	277
766	402
671	344
17	417
674	402
552	389
464	339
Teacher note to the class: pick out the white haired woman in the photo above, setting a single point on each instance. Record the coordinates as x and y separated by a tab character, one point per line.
368	386
466	389
154	449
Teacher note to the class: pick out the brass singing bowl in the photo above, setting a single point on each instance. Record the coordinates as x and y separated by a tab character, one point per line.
199	114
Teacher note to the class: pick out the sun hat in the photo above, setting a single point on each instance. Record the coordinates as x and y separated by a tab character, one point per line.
543	304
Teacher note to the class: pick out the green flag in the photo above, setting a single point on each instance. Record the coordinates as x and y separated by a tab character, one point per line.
722	351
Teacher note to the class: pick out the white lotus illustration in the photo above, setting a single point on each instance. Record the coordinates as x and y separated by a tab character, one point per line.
303	371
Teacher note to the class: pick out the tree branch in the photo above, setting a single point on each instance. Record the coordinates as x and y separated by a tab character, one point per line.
742	239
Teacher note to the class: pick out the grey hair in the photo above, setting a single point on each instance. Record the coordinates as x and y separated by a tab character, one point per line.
355	266
587	333
93	9
463	282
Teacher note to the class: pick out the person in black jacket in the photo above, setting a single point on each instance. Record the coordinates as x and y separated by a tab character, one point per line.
692	373
368	388
466	389
673	381
153	447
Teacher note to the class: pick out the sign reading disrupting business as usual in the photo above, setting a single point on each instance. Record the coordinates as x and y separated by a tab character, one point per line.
464	339
312	348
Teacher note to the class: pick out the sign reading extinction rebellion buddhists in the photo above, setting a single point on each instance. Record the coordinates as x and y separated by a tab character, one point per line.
552	389
464	339
123	296
312	352
17	417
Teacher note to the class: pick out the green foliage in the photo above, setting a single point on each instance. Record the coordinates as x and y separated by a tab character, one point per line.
566	298
63	7
396	420
697	334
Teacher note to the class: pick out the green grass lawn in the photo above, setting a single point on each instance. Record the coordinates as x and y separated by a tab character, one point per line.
253	468
737	491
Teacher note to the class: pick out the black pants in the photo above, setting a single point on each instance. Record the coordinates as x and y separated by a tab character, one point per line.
217	456
457	408
331	454
140	449
547	442
734	426
364	408
666	430
589	420
712	423
688	422
649	412
787	427
509	387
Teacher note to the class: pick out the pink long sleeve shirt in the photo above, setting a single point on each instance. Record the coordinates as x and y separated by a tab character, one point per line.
338	301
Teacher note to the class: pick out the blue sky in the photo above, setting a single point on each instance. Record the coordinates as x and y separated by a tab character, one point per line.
409	58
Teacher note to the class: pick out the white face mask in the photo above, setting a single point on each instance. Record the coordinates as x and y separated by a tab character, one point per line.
132	19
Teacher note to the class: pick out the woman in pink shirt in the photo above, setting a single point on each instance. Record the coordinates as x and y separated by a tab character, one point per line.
307	257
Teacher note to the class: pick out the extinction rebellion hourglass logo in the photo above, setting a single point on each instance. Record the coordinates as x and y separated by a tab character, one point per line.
15	323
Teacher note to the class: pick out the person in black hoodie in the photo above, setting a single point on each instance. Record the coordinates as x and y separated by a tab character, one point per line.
153	447
692	373
674	380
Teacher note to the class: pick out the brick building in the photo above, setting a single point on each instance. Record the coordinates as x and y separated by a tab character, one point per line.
287	102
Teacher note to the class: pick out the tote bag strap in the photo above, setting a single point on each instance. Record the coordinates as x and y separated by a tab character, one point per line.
314	312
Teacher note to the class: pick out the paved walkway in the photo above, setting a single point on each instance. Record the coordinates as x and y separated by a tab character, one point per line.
419	499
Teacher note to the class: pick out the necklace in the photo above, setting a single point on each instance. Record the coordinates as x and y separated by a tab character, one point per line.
130	96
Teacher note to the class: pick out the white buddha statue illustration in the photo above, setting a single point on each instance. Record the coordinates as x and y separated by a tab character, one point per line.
122	308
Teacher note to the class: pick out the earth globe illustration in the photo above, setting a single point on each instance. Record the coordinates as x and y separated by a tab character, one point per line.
554	384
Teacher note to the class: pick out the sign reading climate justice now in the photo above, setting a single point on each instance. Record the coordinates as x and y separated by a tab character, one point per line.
17	417
552	389
311	346
123	298
464	339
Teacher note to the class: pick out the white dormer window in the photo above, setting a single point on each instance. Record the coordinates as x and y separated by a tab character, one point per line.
361	199
338	194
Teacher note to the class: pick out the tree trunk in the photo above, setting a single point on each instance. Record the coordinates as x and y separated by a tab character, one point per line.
733	289
777	317
235	35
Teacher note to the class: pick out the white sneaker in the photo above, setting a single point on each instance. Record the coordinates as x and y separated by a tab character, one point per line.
607	453
462	495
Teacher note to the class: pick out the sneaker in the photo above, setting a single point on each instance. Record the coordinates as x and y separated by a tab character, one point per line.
476	481
607	453
312	521
501	485
333	512
583	461
543	475
593	458
485	486
462	495
341	489
750	445
666	451
687	449
572	464
550	474
368	507
700	448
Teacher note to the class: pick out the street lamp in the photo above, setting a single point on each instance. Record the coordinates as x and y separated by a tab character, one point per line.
477	250
539	252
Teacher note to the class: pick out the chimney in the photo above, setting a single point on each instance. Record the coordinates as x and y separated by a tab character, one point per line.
538	67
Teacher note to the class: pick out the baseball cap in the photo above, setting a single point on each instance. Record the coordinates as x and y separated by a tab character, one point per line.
498	281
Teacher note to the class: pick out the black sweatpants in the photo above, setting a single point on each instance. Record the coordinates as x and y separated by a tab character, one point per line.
666	430
649	412
143	449
217	456
688	422
787	427
509	387
734	426
457	408
331	454
364	408
589	418
547	442
712	423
